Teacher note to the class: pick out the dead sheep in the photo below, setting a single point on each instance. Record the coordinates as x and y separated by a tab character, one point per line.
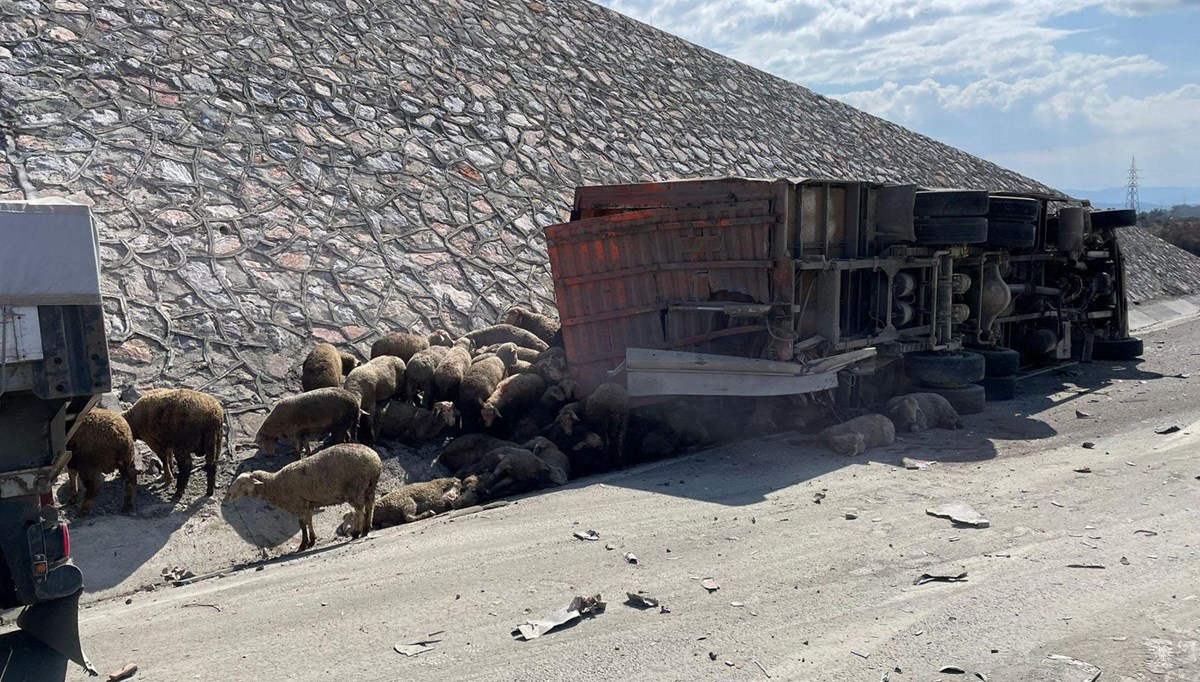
407	422
523	354
857	435
333	411
375	382
513	470
552	366
478	384
549	453
512	397
544	327
324	367
340	474
543	413
916	412
464	452
605	411
418	375
102	444
177	423
506	333
419	501
448	375
404	346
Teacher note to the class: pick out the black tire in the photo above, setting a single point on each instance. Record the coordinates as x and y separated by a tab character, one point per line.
968	399
999	361
1014	208
951	230
1011	234
1117	349
951	202
1117	217
947	369
999	388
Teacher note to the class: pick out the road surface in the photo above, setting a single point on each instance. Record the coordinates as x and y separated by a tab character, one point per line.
806	592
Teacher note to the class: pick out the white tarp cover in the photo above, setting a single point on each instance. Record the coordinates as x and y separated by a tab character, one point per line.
48	254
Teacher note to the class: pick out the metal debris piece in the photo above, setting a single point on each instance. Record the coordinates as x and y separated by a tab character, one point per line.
630	558
1080	414
936	578
860	654
1088	445
591	535
1124	561
1064	669
1173	428
818	497
850	516
952	670
764	670
919	464
410	649
639	600
960	513
1083	470
128	671
1143	531
1085	565
710	584
1056	504
578	608
736	604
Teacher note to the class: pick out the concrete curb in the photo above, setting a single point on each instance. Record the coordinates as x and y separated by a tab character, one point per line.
1163	312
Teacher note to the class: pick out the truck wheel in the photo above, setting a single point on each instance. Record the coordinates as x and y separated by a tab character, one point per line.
1117	349
968	399
999	388
1011	233
950	202
998	361
1014	208
946	369
951	230
1118	217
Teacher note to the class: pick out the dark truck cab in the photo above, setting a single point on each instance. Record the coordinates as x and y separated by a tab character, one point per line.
747	287
53	369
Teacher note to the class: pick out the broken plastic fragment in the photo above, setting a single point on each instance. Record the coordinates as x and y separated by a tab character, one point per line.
578	608
640	601
919	464
960	513
936	578
591	535
710	584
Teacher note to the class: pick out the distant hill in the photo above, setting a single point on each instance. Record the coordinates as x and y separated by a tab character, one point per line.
1149	198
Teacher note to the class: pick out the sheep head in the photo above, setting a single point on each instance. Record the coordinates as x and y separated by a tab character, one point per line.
908	413
514	316
265	443
848	444
466	493
488	414
592	440
569	387
440	338
567	418
247	484
446	412
507	352
538	444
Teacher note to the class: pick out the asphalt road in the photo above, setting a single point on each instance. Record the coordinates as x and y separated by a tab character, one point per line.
806	593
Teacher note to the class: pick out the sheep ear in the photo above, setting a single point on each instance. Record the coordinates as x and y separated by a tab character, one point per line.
574	417
496	411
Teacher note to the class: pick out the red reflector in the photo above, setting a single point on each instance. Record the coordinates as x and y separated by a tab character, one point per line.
39	568
66	540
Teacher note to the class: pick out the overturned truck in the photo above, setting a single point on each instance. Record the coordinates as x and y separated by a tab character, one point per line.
744	287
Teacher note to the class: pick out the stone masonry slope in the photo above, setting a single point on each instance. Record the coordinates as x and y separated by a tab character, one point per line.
267	173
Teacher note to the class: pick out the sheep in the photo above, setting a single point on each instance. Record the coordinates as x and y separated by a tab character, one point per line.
552	366
478	384
549	453
346	473
175	423
543	413
465	451
919	411
523	354
323	368
855	436
440	337
418	375
419	501
103	443
376	381
326	410
349	362
403	346
513	470
544	327
605	411
408	422
506	333
448	375
512	397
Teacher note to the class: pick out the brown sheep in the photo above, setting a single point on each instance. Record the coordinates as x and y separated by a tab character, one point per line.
511	471
448	375
349	362
549	453
176	423
512	397
856	436
400	345
408	422
323	368
605	411
544	327
506	333
347	473
102	444
523	354
465	451
916	412
418	376
375	382
552	366
326	410
419	501
480	380
542	414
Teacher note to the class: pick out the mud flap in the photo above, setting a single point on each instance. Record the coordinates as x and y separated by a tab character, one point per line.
56	624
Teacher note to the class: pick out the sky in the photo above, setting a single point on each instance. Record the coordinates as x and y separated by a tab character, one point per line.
1064	91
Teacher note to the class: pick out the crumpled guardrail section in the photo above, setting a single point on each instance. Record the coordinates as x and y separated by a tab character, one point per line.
267	172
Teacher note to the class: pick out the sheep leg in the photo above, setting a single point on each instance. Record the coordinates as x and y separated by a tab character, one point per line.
212	454
368	512
129	476
73	482
306	539
294	441
91	488
183	472
168	461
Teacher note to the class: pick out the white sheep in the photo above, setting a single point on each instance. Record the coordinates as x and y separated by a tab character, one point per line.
326	410
856	436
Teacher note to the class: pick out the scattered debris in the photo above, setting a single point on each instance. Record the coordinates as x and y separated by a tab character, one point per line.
578	608
712	655
952	670
1080	414
764	670
591	535
630	558
818	497
410	649
1056	504
1055	667
1083	470
850	516
860	654
710	584
960	513
1173	428
1184	375
937	578
730	663
1088	445
1085	565
128	671
1124	561
1143	531
736	604
175	574
919	464
610	546
640	600
211	606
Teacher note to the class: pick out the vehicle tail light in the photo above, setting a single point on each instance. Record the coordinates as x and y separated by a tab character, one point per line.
66	540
